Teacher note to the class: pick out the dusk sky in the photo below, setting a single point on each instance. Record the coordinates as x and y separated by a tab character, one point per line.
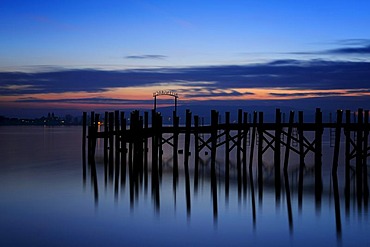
99	55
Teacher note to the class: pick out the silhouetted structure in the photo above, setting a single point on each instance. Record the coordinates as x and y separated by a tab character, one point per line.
129	146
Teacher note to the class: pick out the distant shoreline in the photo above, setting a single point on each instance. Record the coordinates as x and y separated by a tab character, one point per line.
50	120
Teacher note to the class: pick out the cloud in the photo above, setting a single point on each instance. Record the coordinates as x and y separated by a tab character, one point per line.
353	42
93	100
305	94
146	57
351	50
207	93
348	47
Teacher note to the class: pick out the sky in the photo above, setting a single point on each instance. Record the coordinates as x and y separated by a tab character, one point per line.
70	56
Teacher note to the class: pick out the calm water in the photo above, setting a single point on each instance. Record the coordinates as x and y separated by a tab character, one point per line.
45	202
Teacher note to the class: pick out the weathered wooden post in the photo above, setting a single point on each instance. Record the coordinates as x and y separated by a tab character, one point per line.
245	129
277	151
238	146
253	140
366	136
214	127
260	151
106	157
318	154
214	124
95	134
227	148
196	149
301	139
154	148
123	149
117	151
187	141
347	133
84	121
338	129
111	145
140	146
359	156
132	152
288	141
90	137
146	127
301	159
175	143
160	144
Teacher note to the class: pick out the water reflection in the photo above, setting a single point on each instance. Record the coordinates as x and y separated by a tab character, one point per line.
189	186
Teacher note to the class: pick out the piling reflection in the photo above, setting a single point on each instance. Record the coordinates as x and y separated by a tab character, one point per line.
223	191
288	201
338	220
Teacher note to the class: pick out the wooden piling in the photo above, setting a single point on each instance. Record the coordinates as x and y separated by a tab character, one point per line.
301	159
111	144
227	148
123	149
245	134
277	151
253	141
106	159
117	151
134	127
140	147
187	141
238	146
260	150
146	149
359	156
214	124
214	127
301	139
160	145
84	121
365	154
196	149
175	120
347	156
90	137
318	154
288	141
338	129
95	133
154	147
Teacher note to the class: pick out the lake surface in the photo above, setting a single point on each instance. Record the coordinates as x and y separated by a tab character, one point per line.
44	201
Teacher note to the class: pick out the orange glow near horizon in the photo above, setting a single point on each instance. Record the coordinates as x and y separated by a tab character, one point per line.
186	93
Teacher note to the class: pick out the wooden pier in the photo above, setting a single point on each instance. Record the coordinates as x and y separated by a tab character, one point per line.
126	146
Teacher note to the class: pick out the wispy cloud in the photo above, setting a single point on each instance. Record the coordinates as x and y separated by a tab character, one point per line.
347	47
351	50
353	42
147	56
308	94
93	100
